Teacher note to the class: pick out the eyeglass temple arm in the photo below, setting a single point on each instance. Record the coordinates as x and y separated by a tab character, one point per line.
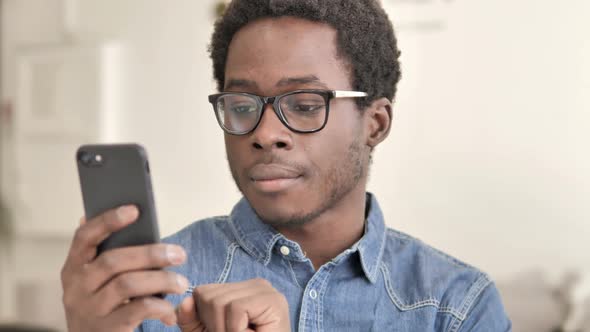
348	94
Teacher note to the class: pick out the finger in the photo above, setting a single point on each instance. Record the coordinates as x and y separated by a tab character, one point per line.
132	314
211	291
225	310
187	317
90	234
211	311
93	232
266	311
212	300
137	284
117	261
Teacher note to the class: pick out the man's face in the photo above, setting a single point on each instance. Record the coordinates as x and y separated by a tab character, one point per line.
291	178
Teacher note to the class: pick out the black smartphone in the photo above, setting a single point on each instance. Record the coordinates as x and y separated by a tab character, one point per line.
112	175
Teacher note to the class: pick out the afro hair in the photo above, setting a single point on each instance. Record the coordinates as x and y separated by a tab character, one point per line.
365	38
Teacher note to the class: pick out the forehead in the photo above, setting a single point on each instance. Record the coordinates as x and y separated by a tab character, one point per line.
269	50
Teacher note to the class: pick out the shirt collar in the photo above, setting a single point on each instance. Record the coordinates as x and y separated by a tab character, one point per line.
258	239
371	245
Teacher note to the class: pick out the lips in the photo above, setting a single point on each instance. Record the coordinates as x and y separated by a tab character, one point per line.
270	178
265	172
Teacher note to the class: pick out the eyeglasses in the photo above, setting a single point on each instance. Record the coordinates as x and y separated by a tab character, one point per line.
302	111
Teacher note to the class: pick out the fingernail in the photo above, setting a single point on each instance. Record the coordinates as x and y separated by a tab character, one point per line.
126	213
175	255
182	281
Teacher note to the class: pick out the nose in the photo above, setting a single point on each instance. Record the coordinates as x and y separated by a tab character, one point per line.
271	133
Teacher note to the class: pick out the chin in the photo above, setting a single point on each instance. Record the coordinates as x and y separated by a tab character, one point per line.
281	209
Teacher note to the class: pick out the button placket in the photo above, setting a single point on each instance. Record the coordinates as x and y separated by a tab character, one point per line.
311	304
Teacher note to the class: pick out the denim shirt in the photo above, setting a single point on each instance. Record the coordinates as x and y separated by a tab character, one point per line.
387	281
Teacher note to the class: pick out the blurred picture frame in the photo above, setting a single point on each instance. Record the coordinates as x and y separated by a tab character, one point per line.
58	90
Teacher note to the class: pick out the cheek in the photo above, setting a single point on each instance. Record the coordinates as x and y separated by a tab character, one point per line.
234	150
329	154
331	149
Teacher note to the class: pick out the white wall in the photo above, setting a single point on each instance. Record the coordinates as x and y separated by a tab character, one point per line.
489	156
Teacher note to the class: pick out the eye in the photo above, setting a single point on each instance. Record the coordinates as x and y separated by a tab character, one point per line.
307	108
243	108
303	104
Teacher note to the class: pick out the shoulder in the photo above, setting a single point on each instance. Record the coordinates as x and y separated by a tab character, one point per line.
206	231
207	243
417	275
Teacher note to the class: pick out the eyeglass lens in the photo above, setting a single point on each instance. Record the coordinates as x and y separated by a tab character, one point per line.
301	111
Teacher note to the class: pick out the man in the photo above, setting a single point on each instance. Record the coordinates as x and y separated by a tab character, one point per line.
306	92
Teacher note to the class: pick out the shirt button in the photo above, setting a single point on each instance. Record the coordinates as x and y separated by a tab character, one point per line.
285	250
313	294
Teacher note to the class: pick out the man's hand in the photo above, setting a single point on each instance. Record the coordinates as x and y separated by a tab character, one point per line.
252	305
111	292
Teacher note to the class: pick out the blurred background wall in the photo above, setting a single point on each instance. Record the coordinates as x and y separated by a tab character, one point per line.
488	158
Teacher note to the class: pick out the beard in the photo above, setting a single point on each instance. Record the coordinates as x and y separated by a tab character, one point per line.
333	184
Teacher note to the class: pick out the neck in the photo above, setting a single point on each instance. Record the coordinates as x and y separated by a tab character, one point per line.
334	231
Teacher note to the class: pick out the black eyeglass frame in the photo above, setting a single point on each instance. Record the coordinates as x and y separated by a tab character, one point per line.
276	106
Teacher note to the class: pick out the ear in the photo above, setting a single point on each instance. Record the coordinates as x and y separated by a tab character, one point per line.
378	117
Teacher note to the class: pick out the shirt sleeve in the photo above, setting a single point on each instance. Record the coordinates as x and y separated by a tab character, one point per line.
487	314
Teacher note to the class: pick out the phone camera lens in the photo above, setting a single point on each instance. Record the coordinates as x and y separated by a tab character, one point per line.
86	158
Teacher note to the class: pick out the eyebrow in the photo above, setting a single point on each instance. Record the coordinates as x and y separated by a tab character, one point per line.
309	79
286	81
240	83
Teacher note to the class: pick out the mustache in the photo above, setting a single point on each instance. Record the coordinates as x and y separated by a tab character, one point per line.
276	160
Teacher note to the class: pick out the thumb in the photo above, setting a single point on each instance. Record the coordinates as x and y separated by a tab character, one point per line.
187	318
